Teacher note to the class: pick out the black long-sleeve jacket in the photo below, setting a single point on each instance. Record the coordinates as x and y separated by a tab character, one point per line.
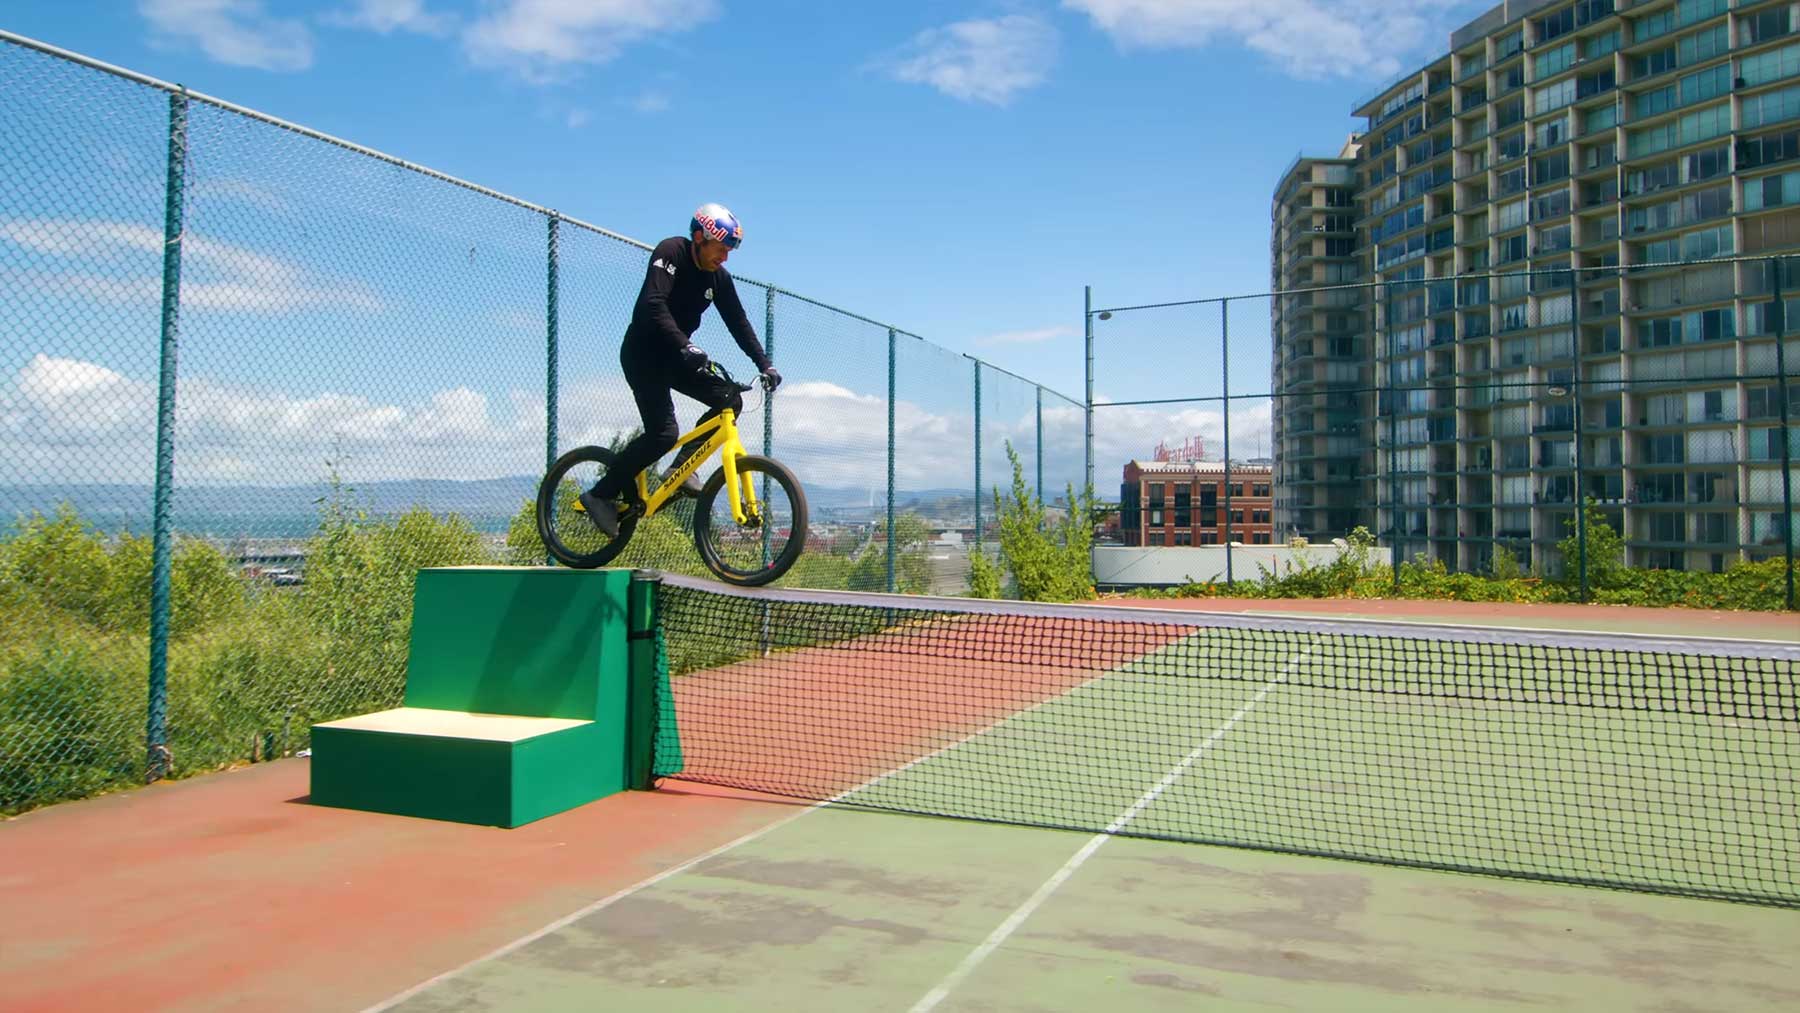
675	295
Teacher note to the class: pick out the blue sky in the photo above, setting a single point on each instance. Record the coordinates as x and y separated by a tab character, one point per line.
959	170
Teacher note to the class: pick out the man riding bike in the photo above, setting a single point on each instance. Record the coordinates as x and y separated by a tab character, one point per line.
686	275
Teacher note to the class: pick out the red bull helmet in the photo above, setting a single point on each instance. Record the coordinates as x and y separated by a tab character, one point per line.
716	222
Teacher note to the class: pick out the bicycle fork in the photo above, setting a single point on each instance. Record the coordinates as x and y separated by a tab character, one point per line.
741	494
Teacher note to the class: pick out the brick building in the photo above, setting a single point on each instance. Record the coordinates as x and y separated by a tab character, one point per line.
1189	503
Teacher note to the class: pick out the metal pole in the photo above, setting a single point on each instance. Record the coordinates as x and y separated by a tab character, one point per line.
1225	375
1393	408
769	348
977	363
162	549
768	416
1787	464
1040	446
550	352
890	462
1581	540
1087	298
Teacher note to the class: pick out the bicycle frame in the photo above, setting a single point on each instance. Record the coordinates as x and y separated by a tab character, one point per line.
724	441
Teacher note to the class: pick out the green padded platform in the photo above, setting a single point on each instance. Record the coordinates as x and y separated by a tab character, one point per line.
517	702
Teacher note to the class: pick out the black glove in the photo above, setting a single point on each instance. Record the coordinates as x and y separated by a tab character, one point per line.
693	357
771	378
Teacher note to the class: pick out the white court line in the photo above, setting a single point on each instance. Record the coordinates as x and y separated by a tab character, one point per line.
567	920
570	919
1061	876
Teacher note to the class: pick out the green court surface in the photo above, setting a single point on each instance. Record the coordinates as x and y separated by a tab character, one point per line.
1422	761
1574	777
845	910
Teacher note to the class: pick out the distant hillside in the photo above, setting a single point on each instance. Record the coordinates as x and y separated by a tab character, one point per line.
293	510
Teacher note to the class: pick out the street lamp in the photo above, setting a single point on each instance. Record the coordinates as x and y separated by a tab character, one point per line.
1557	390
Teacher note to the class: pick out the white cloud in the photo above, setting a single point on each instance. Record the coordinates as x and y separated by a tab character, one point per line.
1132	432
578	118
650	103
235	32
1307	38
988	61
388	16
1028	337
66	416
542	39
63	415
121	262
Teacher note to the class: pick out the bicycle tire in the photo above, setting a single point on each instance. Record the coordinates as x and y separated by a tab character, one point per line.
585	547
748	573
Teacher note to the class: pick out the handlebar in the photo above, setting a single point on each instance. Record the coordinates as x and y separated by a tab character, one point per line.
743	388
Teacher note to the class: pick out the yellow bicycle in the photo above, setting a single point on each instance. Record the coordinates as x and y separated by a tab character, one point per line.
749	536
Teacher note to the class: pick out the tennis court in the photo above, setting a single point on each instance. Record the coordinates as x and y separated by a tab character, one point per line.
797	856
1651	763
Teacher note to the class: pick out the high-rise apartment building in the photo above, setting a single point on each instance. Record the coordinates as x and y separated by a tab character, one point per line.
1504	193
1323	365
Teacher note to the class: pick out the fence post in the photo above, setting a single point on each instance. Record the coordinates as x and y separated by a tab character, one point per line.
1393	441
1787	463
551	355
977	363
768	446
1225	375
1040	447
1087	299
161	567
1581	532
769	348
890	461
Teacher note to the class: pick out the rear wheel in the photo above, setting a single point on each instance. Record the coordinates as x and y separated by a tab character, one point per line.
567	533
766	545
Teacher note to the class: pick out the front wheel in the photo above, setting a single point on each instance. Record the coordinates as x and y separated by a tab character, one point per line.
766	545
567	533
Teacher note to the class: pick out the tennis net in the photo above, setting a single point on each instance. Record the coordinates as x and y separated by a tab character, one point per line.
1651	763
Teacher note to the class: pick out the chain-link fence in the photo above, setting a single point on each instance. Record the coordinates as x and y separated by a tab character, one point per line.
1464	419
252	378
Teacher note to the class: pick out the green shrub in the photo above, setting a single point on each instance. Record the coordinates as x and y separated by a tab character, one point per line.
60	561
1605	552
72	719
1048	562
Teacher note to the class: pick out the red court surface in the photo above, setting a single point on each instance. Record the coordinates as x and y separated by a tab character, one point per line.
1598	618
229	891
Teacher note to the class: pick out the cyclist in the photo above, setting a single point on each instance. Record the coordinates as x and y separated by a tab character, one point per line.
685	276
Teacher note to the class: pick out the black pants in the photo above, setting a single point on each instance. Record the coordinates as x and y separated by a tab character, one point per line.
652	379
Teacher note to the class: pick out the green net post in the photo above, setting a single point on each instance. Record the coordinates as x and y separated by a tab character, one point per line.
1787	435
162	556
648	687
890	457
